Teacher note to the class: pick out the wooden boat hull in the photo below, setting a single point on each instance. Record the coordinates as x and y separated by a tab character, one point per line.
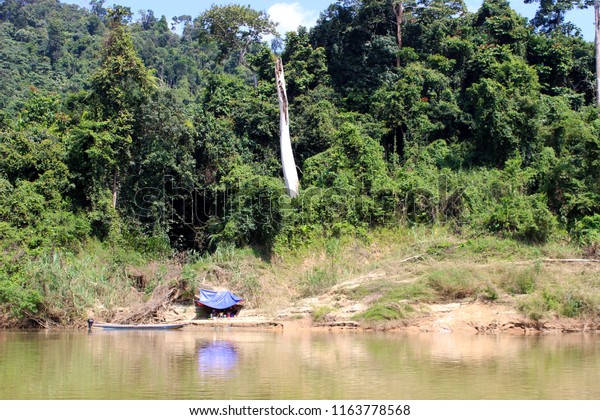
139	326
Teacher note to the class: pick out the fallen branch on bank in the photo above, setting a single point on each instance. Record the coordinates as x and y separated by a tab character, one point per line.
414	257
152	310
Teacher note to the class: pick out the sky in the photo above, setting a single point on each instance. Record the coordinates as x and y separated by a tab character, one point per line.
290	14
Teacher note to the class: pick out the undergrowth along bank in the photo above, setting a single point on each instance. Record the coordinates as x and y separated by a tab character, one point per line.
402	268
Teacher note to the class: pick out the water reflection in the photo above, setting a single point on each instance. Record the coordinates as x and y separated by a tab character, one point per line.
217	358
196	364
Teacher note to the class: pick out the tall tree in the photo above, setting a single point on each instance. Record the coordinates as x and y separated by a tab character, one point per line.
306	65
97	7
551	16
361	42
597	41
552	13
398	8
236	28
119	86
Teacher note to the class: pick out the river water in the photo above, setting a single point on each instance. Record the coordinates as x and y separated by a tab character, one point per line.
233	364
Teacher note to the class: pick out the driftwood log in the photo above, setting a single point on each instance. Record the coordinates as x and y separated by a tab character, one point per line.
150	311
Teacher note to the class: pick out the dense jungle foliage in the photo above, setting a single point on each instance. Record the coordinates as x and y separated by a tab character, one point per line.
140	137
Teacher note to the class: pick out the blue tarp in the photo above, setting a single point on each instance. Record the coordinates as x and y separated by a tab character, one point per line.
218	300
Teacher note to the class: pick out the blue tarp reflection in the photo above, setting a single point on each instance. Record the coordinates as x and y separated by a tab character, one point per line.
217	357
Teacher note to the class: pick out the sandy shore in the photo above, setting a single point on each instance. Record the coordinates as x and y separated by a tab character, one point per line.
457	317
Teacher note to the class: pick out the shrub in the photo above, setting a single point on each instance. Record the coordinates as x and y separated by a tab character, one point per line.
20	300
316	281
320	313
587	230
489	293
385	311
523	282
532	308
525	218
559	300
452	283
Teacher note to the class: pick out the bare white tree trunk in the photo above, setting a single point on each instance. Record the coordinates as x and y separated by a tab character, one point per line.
597	42
287	157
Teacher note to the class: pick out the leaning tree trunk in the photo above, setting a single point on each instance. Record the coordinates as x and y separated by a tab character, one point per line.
287	157
597	42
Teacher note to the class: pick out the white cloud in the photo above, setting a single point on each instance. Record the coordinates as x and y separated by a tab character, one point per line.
291	15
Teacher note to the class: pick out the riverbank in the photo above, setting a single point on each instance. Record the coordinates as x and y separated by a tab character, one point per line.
511	297
427	280
465	317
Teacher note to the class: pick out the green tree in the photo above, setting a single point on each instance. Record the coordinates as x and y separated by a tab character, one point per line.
502	25
316	119
158	193
306	66
360	43
432	23
119	87
572	178
55	39
418	108
564	66
514	210
98	9
505	121
236	28
551	15
597	45
346	184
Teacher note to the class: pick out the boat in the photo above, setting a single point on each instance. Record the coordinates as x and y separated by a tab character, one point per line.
138	326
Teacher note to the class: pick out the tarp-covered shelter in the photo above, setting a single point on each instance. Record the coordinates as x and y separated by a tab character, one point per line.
219	304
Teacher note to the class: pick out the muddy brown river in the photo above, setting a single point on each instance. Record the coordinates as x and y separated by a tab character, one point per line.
231	364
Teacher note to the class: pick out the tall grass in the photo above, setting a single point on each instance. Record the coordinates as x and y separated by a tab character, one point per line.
94	280
453	283
561	300
386	311
521	281
316	281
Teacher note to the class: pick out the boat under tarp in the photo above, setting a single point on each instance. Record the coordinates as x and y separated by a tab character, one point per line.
223	303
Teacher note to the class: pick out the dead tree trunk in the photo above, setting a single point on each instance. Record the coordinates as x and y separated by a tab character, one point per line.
287	157
399	13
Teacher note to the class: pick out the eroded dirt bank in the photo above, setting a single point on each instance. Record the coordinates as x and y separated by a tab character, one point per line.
464	317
